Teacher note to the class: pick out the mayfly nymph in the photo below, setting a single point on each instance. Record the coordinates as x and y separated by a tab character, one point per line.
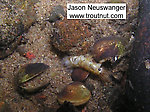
87	63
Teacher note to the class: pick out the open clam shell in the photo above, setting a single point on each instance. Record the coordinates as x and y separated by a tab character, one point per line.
27	73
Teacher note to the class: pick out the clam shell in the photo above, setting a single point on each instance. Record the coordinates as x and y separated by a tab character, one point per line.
107	48
75	93
27	73
79	74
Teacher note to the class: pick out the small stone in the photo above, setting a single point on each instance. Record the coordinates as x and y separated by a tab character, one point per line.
57	13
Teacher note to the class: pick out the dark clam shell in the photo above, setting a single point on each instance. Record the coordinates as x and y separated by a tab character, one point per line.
79	74
27	73
107	48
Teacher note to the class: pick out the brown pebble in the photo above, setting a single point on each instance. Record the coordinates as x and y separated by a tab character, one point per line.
79	74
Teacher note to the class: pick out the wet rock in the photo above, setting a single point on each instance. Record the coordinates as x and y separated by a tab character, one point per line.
71	36
57	13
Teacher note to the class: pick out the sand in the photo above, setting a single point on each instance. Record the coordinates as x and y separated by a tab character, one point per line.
39	44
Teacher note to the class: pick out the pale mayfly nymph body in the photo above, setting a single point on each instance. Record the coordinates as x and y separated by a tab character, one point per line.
88	64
